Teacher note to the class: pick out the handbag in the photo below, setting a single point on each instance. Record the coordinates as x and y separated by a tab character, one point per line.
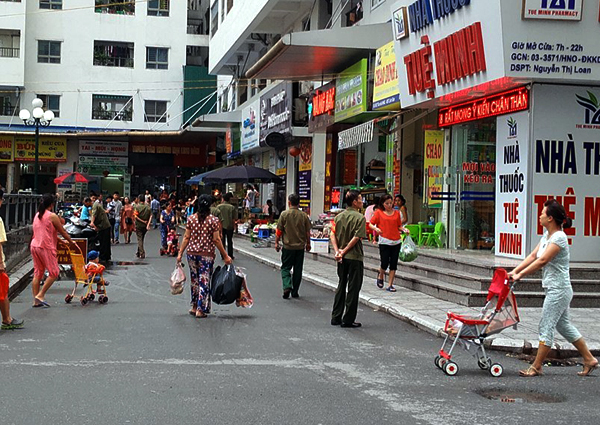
225	285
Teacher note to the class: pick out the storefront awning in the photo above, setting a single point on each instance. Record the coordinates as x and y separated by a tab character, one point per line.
221	120
318	54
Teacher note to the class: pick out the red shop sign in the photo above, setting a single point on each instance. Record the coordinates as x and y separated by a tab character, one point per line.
489	106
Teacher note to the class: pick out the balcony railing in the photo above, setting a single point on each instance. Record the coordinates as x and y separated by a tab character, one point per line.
9	52
125	115
8	110
117	62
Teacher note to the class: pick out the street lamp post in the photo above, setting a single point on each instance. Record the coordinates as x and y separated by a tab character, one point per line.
36	118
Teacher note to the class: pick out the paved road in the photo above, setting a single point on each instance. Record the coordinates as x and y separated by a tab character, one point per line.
142	359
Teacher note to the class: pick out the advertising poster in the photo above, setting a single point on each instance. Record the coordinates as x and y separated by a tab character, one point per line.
566	163
561	10
512	156
250	126
62	250
281	162
321	108
50	149
389	163
305	175
329	171
434	148
276	112
351	91
386	93
7	152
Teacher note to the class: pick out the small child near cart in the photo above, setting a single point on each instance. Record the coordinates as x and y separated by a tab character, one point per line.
94	270
88	276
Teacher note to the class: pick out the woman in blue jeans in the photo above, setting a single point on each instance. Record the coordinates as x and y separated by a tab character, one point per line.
552	256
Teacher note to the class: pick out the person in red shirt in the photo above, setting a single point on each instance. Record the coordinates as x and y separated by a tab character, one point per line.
387	223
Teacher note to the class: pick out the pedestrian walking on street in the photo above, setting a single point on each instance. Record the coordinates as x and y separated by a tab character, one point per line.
167	220
387	224
293	228
143	220
155	207
118	209
127	219
147	198
400	205
202	235
8	322
101	224
347	234
46	226
229	217
552	256
110	212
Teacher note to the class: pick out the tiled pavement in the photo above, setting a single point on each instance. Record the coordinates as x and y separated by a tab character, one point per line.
429	313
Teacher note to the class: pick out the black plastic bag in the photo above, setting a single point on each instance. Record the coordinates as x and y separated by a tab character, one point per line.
225	285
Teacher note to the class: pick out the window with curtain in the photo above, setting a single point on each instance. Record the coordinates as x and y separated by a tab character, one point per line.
157	58
155	110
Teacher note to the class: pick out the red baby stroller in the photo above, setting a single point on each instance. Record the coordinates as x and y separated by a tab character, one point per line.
499	313
172	248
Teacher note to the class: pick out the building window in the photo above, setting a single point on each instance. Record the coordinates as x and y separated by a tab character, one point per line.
111	53
158	7
108	107
229	5
48	51
157	58
50	4
9	105
117	7
376	3
51	103
214	18
355	14
155	110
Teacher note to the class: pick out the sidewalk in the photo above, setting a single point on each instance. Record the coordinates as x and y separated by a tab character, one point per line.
428	313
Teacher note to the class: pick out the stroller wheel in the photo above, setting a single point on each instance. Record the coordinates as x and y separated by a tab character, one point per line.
496	370
83	301
437	361
68	298
451	368
91	297
484	364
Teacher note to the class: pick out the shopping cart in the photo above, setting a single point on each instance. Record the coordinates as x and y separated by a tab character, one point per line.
470	332
81	278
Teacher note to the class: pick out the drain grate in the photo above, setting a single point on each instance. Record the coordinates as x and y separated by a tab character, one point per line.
520	396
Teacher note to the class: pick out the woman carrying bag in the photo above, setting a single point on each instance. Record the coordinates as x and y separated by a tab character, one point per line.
202	235
386	223
127	220
552	256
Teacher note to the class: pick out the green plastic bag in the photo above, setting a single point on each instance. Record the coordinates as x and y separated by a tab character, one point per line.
408	250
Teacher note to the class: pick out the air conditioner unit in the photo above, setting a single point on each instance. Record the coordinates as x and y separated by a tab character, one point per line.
300	111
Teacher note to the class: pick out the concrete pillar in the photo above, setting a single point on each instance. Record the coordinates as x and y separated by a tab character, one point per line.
11	174
317	203
290	181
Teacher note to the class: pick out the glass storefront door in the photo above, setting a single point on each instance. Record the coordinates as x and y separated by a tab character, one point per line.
473	156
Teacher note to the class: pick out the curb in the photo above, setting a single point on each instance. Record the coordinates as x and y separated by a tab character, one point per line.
20	278
408	316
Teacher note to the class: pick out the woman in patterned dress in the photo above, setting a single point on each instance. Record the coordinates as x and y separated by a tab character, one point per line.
127	220
202	235
167	219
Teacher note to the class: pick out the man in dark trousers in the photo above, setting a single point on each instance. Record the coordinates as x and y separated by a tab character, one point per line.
229	216
143	221
101	224
346	237
294	228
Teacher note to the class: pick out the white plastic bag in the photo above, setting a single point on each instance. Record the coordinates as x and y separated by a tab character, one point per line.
408	250
177	279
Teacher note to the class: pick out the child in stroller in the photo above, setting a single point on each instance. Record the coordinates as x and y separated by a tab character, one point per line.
172	248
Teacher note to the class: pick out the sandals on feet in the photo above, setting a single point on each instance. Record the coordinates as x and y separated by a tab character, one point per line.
200	315
530	372
380	283
390	289
588	369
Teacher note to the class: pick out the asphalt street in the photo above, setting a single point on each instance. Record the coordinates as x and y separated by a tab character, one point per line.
142	359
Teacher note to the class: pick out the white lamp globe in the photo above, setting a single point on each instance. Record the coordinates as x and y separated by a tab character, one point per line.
37	103
24	114
48	115
38	113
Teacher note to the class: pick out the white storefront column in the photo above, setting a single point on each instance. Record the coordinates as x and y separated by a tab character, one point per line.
317	203
290	181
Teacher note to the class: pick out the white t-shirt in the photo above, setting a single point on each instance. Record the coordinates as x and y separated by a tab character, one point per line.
555	273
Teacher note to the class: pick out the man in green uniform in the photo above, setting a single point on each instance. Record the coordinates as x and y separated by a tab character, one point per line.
229	216
143	215
346	237
294	228
101	224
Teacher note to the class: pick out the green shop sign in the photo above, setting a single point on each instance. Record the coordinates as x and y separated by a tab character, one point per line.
351	91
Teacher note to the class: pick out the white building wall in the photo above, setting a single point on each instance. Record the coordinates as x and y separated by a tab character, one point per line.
76	78
12	17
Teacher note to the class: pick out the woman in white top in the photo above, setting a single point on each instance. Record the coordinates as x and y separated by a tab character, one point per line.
552	256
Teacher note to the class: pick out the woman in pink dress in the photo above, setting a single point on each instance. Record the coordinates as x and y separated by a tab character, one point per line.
46	226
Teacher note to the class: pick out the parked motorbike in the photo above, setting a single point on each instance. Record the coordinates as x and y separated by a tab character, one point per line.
81	229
